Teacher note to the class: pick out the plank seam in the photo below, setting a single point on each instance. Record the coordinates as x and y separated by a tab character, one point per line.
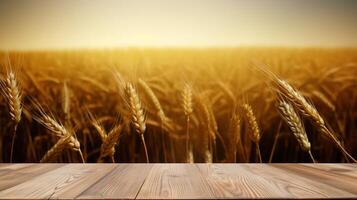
96	182
139	190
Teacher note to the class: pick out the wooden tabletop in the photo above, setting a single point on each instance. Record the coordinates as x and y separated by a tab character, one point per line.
177	181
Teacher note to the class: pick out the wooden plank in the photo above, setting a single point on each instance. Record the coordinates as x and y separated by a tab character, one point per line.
12	175
175	181
64	183
316	184
264	181
4	165
344	182
124	182
237	181
6	168
339	169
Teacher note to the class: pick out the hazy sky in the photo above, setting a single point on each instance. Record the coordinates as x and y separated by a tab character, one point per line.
35	24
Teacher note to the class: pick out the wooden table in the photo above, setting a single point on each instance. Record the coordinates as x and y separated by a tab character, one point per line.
177	181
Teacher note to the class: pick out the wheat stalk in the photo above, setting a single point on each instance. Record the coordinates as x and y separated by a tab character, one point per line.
254	132
190	158
214	126
208	156
207	122
188	109
214	131
137	114
160	112
296	126
11	91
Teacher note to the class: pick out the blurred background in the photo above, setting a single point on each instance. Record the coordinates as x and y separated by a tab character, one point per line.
35	24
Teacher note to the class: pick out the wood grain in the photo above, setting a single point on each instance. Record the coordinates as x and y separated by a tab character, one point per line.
175	181
65	182
178	181
345	182
297	185
124	182
237	181
12	175
263	181
345	169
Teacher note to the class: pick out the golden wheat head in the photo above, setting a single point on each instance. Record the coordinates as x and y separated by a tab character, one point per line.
154	99
293	120
254	132
107	147
187	99
50	123
63	143
137	112
11	91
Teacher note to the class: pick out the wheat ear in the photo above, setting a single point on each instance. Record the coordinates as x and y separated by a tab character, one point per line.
296	126
254	132
66	101
11	91
58	130
108	146
187	99
100	130
62	144
137	114
154	100
235	131
309	111
188	109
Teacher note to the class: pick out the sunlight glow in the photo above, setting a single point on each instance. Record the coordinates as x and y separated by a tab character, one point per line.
160	23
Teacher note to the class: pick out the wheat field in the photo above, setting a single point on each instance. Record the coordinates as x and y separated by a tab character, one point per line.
179	105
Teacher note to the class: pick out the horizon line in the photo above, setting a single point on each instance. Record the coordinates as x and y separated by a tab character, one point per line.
133	47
